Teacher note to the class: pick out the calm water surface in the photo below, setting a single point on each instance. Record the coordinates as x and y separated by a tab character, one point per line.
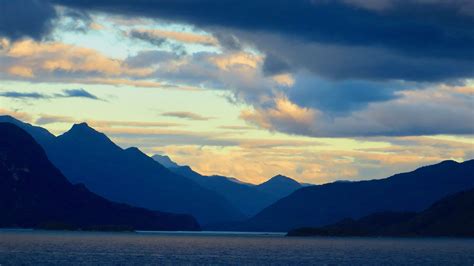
84	248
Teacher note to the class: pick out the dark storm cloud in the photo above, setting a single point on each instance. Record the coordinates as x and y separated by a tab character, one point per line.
427	40
415	40
421	28
356	62
274	64
26	18
340	97
78	20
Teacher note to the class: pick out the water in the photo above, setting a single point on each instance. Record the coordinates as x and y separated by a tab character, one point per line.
90	248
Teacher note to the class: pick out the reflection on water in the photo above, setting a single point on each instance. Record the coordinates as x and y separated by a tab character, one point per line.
66	248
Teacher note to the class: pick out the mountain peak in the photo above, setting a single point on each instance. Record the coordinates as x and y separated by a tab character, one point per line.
83	129
88	136
281	179
135	151
279	185
7	118
165	161
81	126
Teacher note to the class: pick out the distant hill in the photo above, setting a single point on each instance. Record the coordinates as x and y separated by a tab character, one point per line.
451	216
35	194
279	186
86	156
320	205
248	198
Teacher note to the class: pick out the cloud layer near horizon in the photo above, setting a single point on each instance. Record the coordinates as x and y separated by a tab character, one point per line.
395	70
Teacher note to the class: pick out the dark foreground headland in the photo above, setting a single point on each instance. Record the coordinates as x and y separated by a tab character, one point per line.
452	216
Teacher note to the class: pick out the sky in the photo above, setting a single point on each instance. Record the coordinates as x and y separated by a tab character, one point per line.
316	90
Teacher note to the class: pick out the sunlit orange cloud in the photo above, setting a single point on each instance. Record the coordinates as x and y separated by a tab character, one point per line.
284	80
284	111
238	59
308	163
21	71
469	90
32	57
257	166
259	159
41	61
185	37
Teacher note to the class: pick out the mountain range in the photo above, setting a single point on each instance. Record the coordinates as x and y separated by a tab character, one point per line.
35	194
128	176
316	206
248	198
451	216
93	162
87	156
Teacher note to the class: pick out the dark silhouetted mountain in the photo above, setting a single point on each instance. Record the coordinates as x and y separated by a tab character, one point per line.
371	225
250	199
320	205
245	197
165	161
128	176
41	135
35	194
279	186
452	216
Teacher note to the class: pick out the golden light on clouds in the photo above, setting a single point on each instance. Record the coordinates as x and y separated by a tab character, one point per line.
180	36
240	59
284	79
33	57
284	111
21	71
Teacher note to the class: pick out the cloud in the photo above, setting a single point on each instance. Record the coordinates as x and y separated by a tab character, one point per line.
283	116
336	97
237	127
59	62
75	20
158	37
78	93
316	68
317	164
417	28
26	18
419	112
46	119
23	95
187	115
344	61
69	93
147	37
18	114
305	159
